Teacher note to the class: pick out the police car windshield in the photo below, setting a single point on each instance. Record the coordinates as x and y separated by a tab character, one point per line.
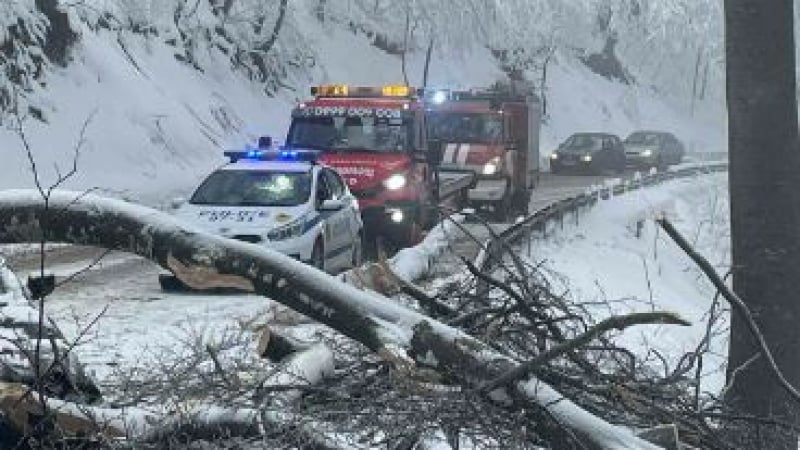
254	188
385	135
466	128
583	143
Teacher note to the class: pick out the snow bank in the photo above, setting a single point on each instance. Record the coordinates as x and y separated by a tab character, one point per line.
415	262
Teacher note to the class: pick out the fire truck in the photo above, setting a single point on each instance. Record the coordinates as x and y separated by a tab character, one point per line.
376	139
495	133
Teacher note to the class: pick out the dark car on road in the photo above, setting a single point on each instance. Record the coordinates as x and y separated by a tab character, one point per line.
589	153
659	149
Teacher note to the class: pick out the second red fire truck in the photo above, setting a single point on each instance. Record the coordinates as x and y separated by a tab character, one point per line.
495	133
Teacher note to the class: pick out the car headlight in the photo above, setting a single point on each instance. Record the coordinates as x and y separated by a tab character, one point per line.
288	231
647	153
395	182
491	167
586	158
554	156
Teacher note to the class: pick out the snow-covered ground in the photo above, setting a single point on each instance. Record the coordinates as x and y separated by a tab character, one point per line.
603	263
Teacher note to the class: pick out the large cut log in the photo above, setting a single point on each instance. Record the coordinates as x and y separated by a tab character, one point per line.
385	327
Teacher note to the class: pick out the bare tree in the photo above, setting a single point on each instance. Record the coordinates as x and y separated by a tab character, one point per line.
765	209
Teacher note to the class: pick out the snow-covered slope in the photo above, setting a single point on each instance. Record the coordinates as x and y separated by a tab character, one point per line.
650	272
579	100
158	125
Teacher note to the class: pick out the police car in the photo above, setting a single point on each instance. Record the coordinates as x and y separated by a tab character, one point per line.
284	200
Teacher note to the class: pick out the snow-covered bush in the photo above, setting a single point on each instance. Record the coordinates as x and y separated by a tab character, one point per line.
261	39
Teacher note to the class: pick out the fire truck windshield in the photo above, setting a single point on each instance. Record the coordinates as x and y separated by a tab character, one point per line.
466	128
351	133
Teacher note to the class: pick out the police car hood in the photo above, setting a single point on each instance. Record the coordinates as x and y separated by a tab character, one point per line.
230	221
366	170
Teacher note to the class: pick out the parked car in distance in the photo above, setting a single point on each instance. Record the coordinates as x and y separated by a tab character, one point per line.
658	149
589	153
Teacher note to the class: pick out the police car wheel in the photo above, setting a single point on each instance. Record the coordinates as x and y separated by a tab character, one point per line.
318	255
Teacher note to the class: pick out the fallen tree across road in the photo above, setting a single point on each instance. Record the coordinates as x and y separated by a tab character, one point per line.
401	336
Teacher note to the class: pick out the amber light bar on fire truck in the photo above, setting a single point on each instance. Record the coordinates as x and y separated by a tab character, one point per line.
343	90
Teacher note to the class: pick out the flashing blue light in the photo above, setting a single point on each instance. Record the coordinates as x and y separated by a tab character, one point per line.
439	97
289	155
282	155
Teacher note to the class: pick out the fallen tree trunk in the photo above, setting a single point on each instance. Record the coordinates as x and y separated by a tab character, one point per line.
202	260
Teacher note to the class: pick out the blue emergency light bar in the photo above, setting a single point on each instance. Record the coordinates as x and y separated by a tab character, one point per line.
288	155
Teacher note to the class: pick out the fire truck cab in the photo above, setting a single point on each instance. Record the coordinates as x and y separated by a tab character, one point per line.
495	133
376	139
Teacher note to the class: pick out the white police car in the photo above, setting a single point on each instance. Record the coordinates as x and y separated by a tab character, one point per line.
283	200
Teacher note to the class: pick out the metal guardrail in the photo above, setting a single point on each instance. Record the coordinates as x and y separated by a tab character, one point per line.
540	218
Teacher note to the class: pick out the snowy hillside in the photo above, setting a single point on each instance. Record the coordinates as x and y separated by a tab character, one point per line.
158	124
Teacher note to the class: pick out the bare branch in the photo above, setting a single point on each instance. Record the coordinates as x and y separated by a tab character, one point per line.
618	323
736	303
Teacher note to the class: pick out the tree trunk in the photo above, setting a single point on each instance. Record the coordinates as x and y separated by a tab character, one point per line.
426	69
765	208
696	80
704	83
405	47
276	30
543	82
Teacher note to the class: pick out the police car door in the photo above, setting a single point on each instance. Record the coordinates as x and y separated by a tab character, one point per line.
337	233
350	214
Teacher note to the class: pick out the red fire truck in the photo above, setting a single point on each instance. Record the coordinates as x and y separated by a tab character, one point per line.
376	138
495	133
